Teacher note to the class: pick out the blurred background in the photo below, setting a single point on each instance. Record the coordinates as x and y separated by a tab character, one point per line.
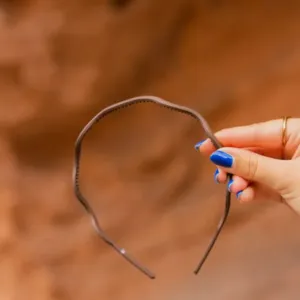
236	62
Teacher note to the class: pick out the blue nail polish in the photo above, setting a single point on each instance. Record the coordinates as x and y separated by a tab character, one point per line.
238	194
229	185
198	145
216	176
222	159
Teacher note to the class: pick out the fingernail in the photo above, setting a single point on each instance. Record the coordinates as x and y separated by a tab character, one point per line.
198	145
229	185
238	194
222	159
216	176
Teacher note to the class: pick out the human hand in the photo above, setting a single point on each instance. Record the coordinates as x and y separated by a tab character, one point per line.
254	155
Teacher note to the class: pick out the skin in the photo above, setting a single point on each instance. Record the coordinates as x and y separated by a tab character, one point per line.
260	172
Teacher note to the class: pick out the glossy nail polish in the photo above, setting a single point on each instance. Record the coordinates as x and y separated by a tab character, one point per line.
198	145
222	159
238	194
216	176
229	185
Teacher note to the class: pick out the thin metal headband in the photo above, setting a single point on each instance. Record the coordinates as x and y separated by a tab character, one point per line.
76	170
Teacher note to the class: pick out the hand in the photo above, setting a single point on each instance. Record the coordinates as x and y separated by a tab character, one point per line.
254	155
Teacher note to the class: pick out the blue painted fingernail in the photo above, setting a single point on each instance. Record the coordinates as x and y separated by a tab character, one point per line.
216	176
238	194
198	145
229	185
222	159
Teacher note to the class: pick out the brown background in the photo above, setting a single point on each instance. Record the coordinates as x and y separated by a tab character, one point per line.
61	62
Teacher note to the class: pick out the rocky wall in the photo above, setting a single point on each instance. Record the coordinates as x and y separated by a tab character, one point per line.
236	62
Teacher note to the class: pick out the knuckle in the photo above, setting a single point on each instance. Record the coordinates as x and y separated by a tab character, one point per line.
252	166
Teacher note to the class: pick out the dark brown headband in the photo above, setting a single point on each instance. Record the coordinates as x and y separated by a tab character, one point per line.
76	170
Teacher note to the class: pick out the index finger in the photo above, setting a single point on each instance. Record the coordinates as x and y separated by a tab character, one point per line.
265	135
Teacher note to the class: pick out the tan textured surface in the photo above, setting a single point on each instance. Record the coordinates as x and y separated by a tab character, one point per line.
233	61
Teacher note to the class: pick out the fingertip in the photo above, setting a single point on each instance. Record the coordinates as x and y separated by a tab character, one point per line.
199	144
230	183
238	195
222	176
239	184
246	195
216	176
205	147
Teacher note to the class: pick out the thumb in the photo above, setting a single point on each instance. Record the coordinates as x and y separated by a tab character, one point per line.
253	167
